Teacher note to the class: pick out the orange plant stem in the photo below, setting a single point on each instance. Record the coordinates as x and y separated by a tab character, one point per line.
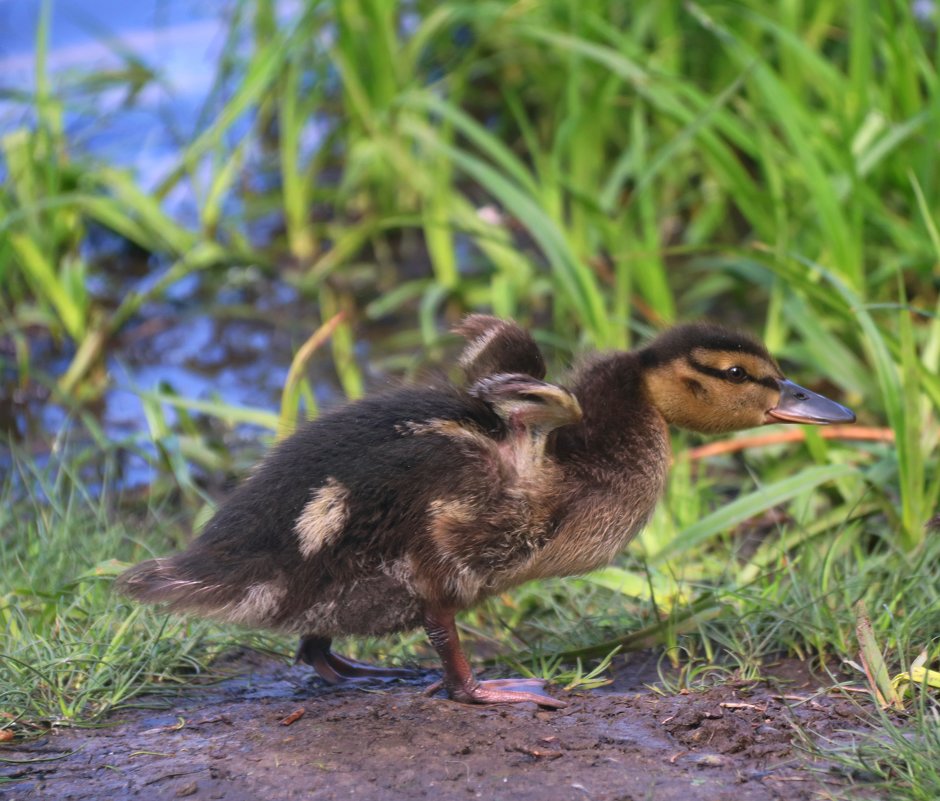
793	435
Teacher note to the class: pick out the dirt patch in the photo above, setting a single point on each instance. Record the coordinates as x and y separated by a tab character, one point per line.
623	743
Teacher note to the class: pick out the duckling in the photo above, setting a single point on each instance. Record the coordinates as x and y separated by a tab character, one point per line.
406	507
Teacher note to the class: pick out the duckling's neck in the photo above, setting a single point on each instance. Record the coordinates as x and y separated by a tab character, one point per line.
621	426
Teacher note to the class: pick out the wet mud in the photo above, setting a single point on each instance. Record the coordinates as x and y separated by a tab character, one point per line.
277	732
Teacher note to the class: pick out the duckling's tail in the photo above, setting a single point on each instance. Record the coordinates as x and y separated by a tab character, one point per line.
165	581
179	585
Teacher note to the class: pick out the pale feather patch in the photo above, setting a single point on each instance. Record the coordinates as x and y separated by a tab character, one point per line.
255	607
323	518
452	511
467	434
473	350
447	516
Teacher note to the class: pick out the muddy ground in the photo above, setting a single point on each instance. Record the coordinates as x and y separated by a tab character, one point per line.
621	743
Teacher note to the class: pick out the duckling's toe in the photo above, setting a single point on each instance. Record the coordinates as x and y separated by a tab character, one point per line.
508	691
336	669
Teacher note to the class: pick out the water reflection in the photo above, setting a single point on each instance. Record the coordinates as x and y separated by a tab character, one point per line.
209	336
179	40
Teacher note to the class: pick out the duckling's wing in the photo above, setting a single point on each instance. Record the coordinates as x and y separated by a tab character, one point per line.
497	346
526	404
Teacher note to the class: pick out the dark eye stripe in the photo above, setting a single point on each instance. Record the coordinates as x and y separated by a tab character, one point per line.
706	370
716	373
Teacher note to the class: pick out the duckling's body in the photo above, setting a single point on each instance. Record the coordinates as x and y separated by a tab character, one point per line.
403	508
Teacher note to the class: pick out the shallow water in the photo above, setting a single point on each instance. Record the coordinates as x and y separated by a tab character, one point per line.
210	336
181	40
235	348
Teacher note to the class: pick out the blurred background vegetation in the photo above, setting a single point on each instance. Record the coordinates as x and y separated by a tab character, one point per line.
595	169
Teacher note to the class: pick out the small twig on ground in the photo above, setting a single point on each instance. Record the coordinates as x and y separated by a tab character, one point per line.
294	716
742	705
180	723
538	753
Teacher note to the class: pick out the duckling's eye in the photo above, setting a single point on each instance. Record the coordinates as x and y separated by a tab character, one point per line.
532	397
736	374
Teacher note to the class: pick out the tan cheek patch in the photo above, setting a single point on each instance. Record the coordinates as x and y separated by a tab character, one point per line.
323	518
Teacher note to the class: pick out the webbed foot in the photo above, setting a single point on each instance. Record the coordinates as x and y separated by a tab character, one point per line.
336	669
463	686
507	691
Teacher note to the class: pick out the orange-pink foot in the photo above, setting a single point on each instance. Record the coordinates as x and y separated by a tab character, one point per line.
507	691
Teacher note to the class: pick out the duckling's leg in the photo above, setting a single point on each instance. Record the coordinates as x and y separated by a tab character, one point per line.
459	680
336	669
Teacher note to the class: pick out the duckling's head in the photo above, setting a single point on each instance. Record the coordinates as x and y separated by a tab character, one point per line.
710	379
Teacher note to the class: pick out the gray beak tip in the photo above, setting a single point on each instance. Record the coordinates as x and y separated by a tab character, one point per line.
800	405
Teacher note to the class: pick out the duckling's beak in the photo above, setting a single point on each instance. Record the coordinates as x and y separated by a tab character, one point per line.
799	405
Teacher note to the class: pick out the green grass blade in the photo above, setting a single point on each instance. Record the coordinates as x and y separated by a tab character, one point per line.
226	412
749	506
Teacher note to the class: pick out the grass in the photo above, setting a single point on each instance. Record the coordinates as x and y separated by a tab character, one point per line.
70	650
771	166
898	757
